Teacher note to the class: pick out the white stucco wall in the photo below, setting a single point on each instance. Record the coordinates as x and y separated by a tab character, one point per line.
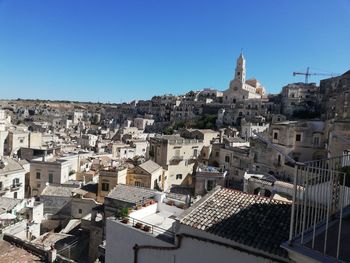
120	240
195	251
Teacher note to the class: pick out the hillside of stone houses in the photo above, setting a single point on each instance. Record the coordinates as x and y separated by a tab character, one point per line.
91	182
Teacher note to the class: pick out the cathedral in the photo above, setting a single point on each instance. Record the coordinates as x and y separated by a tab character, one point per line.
240	88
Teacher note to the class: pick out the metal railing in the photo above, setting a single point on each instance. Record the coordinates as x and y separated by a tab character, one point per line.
320	196
159	232
176	160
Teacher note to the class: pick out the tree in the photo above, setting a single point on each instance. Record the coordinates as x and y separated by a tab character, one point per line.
168	130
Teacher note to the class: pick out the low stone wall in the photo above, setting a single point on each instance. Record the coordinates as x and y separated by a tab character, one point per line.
46	255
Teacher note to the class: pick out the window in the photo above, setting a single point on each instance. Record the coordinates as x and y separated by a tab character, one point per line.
37	175
15	182
159	178
216	154
279	160
0	185
178	176
227	159
298	137
80	211
138	184
195	152
275	135
15	195
210	185
50	178
316	141
105	186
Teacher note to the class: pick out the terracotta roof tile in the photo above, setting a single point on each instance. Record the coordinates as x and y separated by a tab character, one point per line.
254	221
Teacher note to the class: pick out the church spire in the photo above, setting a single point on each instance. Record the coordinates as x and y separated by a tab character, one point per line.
240	68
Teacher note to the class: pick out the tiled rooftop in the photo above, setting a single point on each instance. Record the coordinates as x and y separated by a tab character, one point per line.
251	220
131	194
52	190
7	204
10	166
11	253
149	166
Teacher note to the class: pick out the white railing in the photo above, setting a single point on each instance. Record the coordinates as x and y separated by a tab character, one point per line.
319	199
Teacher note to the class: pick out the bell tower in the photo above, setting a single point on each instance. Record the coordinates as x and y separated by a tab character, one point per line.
240	72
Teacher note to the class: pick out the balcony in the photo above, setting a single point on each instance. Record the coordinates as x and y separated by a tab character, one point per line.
15	187
152	229
320	222
176	160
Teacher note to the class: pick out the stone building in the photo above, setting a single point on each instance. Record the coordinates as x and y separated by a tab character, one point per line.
12	178
334	96
249	110
78	117
240	88
122	151
177	155
88	141
48	171
299	140
148	174
207	178
249	128
141	123
338	133
15	140
109	178
207	135
3	132
232	155
299	98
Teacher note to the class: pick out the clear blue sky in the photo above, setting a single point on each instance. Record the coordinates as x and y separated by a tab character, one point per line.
134	49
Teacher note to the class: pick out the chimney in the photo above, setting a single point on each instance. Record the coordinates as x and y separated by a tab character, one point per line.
45	156
221	135
52	254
